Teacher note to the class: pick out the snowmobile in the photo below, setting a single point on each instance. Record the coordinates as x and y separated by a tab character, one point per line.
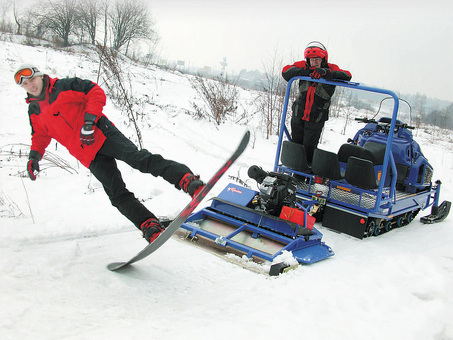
377	181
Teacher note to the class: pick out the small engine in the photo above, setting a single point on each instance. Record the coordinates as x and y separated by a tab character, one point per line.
275	191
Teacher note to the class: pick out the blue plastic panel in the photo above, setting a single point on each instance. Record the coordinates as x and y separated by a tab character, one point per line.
237	194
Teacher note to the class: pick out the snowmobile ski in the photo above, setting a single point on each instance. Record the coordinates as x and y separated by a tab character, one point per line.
185	213
438	214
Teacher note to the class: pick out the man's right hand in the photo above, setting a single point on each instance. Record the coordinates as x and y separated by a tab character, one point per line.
87	133
33	164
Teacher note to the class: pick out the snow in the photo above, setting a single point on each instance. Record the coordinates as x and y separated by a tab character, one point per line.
57	235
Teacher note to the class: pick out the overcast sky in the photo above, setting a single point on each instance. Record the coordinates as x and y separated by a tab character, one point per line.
405	46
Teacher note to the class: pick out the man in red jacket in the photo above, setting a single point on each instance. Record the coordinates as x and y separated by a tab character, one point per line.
70	111
311	108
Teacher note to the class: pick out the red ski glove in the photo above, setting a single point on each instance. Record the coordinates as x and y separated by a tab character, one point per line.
321	73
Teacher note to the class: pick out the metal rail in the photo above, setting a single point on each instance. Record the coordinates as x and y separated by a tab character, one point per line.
388	157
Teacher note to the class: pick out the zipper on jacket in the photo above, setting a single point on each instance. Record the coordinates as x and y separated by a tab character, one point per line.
59	114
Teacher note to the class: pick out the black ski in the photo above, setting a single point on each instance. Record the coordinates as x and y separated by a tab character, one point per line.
438	214
184	214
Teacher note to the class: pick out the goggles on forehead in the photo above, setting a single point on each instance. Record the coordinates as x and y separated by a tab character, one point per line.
26	73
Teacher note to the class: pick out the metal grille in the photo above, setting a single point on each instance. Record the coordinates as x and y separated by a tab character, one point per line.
363	200
428	176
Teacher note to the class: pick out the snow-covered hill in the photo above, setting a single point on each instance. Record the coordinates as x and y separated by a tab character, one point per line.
58	233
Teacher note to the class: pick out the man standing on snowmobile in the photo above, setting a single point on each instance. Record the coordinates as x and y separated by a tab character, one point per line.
311	108
70	111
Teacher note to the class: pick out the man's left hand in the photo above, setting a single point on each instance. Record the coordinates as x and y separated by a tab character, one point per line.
321	73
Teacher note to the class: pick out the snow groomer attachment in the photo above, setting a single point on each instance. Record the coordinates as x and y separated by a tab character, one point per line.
261	224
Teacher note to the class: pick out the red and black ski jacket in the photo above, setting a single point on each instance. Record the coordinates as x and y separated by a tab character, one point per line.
313	102
59	113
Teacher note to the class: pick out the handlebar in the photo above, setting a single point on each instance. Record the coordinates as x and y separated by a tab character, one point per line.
397	125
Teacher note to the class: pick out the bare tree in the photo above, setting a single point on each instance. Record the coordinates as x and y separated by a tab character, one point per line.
59	17
119	91
5	25
17	18
271	97
32	25
129	21
348	109
219	96
88	14
419	107
337	102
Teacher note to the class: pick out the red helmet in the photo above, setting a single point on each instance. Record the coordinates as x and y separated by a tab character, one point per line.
315	50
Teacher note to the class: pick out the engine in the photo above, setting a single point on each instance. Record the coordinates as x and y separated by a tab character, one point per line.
275	191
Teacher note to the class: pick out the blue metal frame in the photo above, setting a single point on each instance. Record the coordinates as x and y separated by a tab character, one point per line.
385	204
230	210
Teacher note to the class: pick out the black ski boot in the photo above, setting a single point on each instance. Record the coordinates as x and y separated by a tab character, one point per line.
191	184
151	228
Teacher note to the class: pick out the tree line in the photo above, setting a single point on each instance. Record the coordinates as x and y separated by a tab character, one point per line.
442	118
117	24
120	24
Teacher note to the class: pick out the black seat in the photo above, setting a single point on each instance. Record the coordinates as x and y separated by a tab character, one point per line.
371	151
325	164
377	150
360	173
293	156
348	150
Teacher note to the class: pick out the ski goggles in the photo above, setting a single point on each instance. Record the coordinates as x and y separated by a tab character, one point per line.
26	73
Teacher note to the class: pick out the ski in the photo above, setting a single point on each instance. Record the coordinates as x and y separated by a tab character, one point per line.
185	213
438	214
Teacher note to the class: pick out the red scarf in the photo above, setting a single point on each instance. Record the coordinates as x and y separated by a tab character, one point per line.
309	102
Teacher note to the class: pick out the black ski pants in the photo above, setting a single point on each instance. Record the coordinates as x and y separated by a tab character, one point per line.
307	134
105	169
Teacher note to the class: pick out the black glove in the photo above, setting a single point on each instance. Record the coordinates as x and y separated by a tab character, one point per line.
321	73
33	164
87	131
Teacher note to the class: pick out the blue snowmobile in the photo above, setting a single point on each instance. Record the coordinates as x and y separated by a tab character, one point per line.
377	181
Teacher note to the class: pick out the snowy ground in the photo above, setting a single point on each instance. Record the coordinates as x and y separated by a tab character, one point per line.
58	233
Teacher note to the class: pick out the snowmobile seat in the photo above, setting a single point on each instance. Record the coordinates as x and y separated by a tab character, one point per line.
325	164
293	156
377	150
371	151
348	150
360	173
